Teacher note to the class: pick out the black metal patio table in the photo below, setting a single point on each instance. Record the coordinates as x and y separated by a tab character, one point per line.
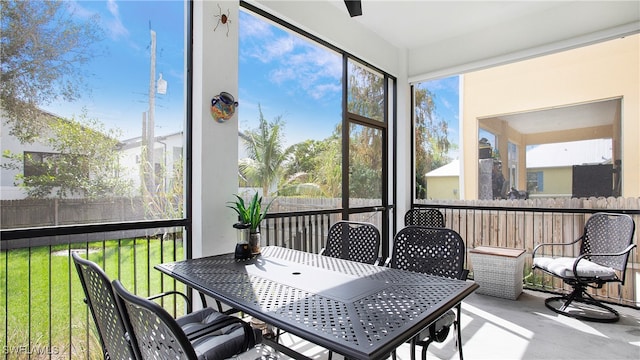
358	310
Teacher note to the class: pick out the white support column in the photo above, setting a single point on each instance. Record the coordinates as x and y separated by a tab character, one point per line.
215	145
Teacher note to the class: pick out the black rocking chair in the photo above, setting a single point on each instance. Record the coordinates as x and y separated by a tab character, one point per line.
604	250
435	251
424	217
157	335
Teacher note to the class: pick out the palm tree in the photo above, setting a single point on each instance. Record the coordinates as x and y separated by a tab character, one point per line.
265	164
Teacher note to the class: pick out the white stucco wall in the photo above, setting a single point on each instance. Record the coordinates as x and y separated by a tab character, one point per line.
215	161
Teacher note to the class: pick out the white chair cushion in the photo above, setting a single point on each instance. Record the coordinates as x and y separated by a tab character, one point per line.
563	267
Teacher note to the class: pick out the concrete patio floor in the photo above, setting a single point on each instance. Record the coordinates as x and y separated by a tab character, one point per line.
495	328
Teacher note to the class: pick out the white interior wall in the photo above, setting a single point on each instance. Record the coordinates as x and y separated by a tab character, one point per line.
215	145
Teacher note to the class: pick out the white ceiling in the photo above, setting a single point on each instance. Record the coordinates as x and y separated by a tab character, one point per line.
444	38
468	35
592	114
414	24
440	35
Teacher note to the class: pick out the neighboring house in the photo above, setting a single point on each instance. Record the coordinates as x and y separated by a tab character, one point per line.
167	155
443	183
9	189
550	166
587	93
168	151
549	169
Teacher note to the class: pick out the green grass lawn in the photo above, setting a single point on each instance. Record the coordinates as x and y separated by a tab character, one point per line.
43	299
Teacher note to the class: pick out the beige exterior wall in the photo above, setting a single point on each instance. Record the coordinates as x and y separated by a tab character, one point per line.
556	181
443	188
602	71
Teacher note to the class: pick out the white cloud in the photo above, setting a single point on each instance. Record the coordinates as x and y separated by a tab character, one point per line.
252	27
278	49
294	61
114	25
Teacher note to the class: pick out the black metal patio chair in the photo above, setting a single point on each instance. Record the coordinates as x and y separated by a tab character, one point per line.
158	336
424	217
102	304
436	251
355	241
101	300
604	250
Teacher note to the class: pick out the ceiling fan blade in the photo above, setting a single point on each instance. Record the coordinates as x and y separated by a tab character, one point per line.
354	7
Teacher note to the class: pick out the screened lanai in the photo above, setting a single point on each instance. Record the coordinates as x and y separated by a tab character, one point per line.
181	173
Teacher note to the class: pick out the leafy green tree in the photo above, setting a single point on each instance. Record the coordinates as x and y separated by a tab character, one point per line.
365	98
328	172
365	94
167	202
304	157
43	47
267	158
365	163
432	143
84	162
301	168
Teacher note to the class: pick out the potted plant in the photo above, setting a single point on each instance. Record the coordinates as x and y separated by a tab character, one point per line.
251	213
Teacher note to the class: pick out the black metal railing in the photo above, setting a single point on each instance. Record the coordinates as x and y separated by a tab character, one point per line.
521	227
302	230
45	317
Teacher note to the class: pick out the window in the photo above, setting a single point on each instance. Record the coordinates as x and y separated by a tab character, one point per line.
535	181
55	166
435	131
292	87
365	92
109	106
35	163
513	164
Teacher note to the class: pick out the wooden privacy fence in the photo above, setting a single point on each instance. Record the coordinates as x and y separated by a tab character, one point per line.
523	224
302	223
54	212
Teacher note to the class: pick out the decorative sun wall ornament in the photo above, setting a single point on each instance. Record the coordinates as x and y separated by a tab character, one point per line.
223	107
222	19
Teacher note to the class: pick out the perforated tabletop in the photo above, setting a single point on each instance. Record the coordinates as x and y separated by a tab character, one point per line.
358	310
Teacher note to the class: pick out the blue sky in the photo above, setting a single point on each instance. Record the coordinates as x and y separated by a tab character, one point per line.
285	74
447	103
295	78
289	77
120	78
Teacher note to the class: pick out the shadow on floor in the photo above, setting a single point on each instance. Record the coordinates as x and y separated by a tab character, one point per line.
497	329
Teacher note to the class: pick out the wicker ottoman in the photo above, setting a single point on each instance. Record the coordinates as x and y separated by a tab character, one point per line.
498	271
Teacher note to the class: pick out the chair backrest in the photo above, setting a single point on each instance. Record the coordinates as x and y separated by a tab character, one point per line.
151	328
435	251
355	241
103	307
424	217
608	234
156	335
